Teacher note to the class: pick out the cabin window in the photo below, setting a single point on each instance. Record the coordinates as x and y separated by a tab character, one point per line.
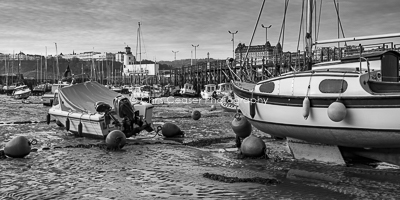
333	86
267	87
55	99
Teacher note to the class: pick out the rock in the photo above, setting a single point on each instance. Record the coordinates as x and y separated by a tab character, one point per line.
116	139
196	115
18	147
253	146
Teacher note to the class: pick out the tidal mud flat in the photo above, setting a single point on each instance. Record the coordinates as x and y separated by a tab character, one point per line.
203	164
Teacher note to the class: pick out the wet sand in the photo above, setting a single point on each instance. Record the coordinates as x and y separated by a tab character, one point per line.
151	167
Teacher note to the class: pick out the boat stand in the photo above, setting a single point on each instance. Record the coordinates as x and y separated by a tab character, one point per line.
315	151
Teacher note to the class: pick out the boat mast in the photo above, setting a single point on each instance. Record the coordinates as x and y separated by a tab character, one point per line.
39	71
6	71
12	67
58	68
309	34
45	68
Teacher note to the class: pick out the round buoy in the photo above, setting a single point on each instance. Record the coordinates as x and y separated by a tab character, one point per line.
337	111
253	146
18	147
306	107
116	139
213	108
196	115
170	130
241	126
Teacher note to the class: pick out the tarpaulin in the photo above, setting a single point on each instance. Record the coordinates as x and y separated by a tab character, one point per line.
81	97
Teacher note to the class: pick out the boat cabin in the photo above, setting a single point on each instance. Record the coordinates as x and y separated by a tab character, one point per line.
210	88
383	66
222	87
188	86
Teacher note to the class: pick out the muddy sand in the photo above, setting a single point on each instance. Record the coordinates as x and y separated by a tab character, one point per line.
203	165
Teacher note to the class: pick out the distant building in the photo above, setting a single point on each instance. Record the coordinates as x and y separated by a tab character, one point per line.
119	57
130	68
257	54
20	56
87	56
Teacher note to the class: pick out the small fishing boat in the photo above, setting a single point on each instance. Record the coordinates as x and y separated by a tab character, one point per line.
41	89
171	90
145	92
117	89
92	110
9	89
209	92
21	92
188	90
224	89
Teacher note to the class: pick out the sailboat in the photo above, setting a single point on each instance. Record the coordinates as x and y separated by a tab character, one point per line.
350	106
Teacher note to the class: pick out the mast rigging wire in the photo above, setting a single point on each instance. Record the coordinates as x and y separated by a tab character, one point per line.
247	73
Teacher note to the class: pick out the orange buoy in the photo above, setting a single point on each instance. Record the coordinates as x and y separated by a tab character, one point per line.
18	147
306	107
241	126
170	130
253	146
337	111
116	139
196	115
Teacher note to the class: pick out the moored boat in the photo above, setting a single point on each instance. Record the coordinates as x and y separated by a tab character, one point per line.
224	89
90	109
347	105
209	92
21	92
187	90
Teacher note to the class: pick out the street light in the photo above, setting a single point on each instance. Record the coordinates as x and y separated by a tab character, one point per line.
233	43
175	54
266	31
266	39
195	46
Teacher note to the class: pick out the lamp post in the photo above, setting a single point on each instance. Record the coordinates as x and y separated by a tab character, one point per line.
266	39
175	54
266	31
195	59
233	43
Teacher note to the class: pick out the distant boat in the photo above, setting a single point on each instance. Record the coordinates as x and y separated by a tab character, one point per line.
145	92
224	89
188	90
209	92
21	92
41	89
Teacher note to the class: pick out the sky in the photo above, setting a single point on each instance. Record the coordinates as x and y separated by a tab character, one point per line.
175	25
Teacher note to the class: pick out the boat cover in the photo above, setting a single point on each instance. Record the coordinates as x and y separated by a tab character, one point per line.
81	97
